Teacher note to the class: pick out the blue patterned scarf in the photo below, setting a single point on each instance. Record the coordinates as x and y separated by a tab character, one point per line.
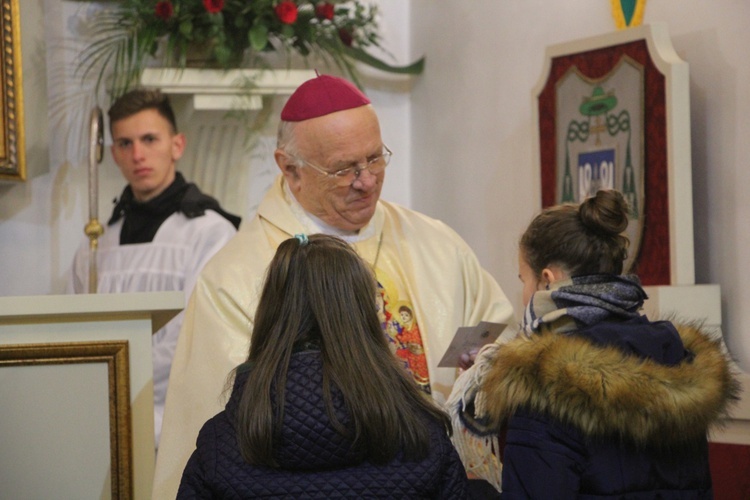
583	301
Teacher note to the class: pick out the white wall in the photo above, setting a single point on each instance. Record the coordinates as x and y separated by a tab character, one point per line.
41	219
25	207
473	138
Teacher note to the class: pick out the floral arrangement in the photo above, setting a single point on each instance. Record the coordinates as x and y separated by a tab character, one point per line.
235	33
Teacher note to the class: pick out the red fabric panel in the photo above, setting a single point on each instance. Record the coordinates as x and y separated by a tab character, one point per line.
730	471
653	261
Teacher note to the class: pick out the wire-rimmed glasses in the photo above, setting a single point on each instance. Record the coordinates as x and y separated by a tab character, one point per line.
346	176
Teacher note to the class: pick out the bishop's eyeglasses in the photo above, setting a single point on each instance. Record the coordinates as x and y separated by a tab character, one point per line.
346	176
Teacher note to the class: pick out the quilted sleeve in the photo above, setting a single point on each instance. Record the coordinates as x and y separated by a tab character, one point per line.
536	448
455	483
196	478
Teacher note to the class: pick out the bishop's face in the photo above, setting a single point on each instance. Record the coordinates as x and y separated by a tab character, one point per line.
146	148
333	142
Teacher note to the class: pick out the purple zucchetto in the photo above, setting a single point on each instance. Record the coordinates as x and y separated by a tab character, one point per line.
321	96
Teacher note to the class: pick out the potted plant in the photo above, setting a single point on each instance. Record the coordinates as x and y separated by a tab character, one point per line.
129	34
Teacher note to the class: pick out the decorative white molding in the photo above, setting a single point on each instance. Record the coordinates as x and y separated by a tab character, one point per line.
685	302
223	90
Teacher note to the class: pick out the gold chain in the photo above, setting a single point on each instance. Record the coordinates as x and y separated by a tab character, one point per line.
377	252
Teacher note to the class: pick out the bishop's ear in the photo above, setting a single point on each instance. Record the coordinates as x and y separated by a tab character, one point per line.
287	164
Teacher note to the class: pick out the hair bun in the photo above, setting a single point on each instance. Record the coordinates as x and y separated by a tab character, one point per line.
605	213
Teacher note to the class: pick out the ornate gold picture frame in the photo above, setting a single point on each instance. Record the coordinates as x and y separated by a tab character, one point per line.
65	364
12	148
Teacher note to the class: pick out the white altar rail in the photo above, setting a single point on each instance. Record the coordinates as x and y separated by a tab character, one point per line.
76	385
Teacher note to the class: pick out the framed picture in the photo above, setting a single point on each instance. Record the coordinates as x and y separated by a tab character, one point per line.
12	148
66	413
613	112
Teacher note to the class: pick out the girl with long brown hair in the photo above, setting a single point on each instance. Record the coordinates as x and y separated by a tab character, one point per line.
321	408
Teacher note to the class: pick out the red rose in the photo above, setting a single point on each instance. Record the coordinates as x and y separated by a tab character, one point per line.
286	11
324	11
346	37
164	10
213	6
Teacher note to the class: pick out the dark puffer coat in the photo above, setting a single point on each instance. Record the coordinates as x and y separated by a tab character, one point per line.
315	460
618	410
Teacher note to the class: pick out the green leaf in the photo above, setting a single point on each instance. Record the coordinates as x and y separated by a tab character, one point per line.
258	36
286	31
217	19
360	55
223	54
186	28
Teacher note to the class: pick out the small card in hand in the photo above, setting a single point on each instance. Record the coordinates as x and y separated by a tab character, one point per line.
468	338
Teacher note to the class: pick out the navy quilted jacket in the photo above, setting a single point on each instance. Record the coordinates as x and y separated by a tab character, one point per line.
316	461
618	410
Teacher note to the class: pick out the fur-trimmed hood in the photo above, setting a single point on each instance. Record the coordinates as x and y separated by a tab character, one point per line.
605	392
